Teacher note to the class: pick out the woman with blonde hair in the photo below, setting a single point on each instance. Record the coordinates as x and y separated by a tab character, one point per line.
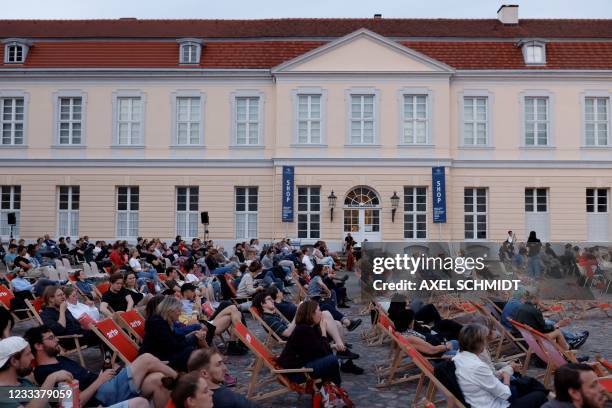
162	340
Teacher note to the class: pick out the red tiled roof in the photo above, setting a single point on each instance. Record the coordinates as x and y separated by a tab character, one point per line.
305	27
267	54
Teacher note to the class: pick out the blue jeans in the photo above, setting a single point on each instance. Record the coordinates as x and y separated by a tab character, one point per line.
150	274
569	336
534	266
326	368
221	270
454	350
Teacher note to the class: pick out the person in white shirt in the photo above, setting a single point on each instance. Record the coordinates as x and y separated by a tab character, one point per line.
138	269
480	386
78	309
307	261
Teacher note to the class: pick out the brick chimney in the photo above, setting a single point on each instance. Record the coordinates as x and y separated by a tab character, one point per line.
377	16
508	14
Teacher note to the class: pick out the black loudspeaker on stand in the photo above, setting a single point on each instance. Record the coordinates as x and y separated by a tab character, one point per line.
205	220
204	217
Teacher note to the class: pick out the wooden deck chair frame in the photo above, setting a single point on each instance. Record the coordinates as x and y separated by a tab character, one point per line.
123	319
264	359
272	338
382	324
426	374
535	347
121	335
7	295
302	293
506	336
78	348
392	374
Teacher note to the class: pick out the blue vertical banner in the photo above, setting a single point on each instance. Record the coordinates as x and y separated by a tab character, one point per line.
439	194
288	173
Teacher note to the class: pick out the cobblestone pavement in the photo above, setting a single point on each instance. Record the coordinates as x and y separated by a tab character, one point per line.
362	389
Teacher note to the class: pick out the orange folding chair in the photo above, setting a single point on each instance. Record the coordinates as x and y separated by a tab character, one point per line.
265	359
133	322
117	340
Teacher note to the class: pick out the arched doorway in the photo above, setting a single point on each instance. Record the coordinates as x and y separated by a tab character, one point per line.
362	214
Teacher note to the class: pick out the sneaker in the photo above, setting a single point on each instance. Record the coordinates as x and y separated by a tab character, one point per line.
350	367
579	340
582	359
230	381
354	324
347	355
348	345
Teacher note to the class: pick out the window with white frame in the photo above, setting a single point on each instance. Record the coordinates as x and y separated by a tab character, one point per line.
68	211
415	119
309	119
190	53
597	121
70	120
15	53
188	120
362	119
536	200
10	202
187	211
536	121
534	54
475	213
597	200
246	212
415	212
127	211
247	120
12	120
129	121
475	121
309	212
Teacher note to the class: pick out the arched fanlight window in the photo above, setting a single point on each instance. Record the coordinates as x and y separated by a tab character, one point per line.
361	197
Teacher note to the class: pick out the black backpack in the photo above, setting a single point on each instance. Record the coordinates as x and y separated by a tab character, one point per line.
445	373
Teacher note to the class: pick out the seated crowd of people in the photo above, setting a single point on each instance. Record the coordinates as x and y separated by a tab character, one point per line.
187	294
191	296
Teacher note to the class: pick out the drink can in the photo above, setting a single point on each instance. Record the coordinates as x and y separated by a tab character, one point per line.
72	401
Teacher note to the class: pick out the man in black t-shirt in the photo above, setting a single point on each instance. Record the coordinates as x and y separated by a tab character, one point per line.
140	378
117	297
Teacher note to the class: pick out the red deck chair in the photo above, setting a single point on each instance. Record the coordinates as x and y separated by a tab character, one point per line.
272	338
6	296
117	340
133	322
265	359
426	374
535	347
103	287
606	382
